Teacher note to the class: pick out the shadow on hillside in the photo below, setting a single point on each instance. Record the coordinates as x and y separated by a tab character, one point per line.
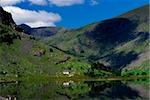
121	59
143	36
113	32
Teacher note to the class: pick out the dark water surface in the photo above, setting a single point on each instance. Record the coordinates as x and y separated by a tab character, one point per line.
84	90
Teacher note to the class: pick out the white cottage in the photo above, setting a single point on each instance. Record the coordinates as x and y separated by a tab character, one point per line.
66	72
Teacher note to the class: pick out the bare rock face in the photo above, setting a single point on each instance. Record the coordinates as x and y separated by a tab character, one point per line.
6	18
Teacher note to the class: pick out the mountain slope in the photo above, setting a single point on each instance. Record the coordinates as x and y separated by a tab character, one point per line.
24	55
116	42
42	31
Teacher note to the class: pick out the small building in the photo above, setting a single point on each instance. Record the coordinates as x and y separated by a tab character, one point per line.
66	84
66	72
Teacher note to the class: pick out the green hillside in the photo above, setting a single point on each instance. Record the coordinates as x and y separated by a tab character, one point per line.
107	48
120	43
24	55
29	56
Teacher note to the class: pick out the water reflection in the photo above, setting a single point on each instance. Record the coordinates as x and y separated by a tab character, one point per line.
84	90
114	90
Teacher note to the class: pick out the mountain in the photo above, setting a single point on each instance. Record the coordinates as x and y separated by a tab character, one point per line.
117	46
27	29
6	18
120	43
24	55
42	31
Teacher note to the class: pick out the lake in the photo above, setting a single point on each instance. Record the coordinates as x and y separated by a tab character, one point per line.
80	90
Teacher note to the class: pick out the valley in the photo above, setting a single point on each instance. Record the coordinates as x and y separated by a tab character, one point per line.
88	51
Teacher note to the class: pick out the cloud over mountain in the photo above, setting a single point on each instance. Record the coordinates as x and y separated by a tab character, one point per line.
33	18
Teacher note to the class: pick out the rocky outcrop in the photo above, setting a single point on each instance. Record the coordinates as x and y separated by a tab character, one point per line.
6	18
6	34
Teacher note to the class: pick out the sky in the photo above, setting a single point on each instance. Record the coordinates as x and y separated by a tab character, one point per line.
67	13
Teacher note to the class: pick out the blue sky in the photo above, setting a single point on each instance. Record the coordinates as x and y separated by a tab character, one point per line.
67	13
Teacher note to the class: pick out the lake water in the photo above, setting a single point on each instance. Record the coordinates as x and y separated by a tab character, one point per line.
80	90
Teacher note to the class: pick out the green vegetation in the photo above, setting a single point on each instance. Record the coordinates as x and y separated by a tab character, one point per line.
89	50
139	70
28	56
7	35
119	43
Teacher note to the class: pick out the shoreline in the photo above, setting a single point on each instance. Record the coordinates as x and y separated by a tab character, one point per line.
52	78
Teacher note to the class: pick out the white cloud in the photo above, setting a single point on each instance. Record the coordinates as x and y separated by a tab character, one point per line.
59	3
66	2
9	2
33	18
40	24
38	2
93	2
14	2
